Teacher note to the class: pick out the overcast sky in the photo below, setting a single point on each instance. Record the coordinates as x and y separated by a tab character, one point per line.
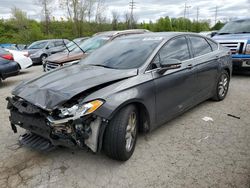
145	9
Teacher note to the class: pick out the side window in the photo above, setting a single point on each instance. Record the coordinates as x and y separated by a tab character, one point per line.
200	46
213	45
59	43
51	45
175	49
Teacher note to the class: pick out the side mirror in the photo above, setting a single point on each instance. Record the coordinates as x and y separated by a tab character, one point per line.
169	64
47	47
213	33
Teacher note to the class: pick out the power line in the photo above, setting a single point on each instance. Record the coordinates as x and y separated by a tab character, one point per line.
186	10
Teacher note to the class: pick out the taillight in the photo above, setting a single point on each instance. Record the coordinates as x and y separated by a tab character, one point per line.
7	56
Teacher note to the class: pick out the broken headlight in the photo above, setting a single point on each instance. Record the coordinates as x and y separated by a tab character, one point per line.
80	110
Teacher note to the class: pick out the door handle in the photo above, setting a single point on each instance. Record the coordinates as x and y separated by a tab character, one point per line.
190	66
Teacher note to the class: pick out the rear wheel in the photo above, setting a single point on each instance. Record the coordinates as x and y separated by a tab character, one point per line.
222	86
121	134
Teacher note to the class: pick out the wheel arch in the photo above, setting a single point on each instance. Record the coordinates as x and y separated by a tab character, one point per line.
228	71
144	116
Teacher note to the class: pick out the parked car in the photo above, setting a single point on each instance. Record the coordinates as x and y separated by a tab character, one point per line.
132	84
9	46
88	46
8	67
79	40
40	50
236	36
208	33
71	46
21	58
13	46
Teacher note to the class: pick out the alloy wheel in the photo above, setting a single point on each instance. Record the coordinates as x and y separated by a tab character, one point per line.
131	131
223	85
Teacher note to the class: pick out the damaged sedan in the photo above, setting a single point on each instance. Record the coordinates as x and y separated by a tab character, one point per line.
133	84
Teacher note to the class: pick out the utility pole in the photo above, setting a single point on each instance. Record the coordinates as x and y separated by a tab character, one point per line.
197	20
186	10
132	7
216	14
197	14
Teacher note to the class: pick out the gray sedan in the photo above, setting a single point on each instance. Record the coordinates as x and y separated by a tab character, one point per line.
133	84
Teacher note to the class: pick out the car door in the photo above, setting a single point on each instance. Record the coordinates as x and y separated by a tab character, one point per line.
50	47
175	88
207	66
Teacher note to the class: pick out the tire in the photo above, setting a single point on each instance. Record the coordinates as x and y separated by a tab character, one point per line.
222	86
119	138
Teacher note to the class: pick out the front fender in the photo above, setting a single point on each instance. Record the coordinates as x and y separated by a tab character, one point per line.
140	93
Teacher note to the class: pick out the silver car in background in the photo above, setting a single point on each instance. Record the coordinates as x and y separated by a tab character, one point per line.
40	50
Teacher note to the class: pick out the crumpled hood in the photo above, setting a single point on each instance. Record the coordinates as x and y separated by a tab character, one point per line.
56	87
232	37
65	57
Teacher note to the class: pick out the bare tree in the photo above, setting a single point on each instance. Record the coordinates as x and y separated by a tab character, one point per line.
77	11
90	8
100	11
46	12
127	19
20	18
115	20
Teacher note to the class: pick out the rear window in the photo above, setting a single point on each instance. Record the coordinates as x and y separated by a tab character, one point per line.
59	43
200	46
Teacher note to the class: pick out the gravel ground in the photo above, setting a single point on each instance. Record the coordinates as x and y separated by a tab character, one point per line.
186	152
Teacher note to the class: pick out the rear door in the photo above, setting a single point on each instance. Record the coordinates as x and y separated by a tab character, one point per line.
207	65
175	88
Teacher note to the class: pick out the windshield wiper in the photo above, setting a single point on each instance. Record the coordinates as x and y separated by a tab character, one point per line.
105	66
66	46
79	47
242	32
224	33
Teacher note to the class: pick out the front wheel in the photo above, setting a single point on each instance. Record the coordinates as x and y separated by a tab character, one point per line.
222	86
121	134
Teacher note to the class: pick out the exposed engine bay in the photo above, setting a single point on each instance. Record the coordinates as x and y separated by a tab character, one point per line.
74	126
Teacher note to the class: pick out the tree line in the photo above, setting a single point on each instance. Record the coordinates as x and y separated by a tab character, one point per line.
85	18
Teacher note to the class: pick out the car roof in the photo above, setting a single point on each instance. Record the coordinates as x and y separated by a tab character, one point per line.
47	40
162	35
240	20
121	32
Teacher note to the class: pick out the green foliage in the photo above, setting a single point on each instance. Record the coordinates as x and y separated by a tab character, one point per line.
218	26
20	29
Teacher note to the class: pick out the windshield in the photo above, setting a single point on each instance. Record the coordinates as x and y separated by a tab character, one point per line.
123	53
70	46
38	45
239	26
92	44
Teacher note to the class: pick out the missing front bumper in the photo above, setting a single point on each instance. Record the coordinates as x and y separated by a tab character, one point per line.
36	142
87	131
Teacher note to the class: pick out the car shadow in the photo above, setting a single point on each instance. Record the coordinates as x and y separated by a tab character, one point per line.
241	73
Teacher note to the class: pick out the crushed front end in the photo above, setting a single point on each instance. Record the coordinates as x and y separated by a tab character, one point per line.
60	127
